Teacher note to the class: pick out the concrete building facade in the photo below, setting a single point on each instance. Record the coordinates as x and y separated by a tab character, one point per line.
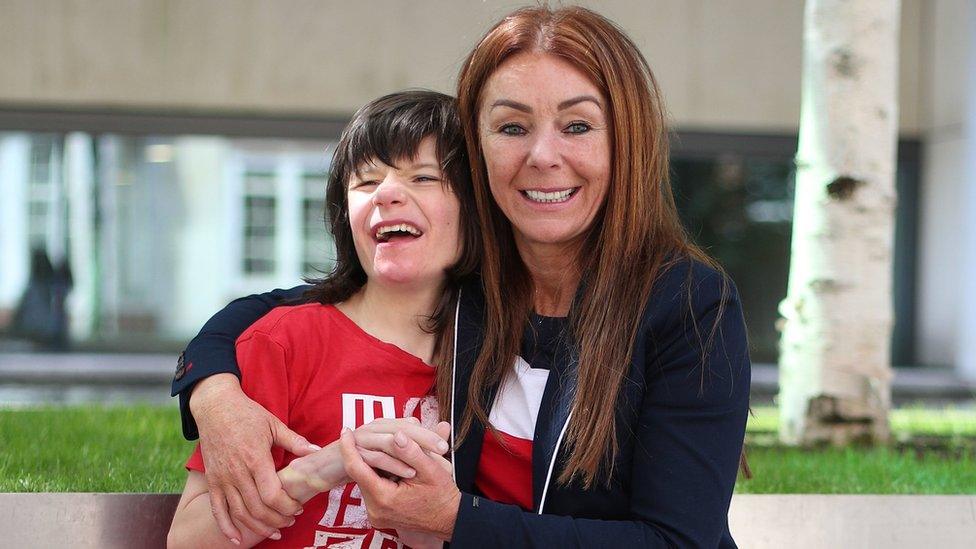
173	152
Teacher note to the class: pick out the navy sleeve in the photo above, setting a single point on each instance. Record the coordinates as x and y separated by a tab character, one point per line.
212	350
689	438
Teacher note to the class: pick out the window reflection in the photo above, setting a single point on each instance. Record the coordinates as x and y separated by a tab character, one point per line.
150	234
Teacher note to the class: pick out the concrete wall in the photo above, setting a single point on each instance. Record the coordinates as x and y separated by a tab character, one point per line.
723	64
756	521
945	212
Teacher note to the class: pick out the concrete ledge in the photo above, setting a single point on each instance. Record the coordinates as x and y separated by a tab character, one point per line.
757	521
86	520
156	370
92	369
814	521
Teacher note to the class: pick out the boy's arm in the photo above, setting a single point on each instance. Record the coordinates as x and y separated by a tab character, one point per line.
194	524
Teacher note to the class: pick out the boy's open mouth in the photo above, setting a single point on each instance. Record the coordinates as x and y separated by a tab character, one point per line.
398	231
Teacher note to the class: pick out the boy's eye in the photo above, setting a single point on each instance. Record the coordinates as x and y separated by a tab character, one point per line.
577	127
512	129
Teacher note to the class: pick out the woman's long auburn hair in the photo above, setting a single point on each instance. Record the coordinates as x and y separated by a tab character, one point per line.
635	237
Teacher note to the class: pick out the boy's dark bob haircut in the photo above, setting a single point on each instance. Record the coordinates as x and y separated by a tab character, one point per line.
390	129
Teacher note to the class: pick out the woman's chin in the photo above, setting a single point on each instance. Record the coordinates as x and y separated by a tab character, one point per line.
549	234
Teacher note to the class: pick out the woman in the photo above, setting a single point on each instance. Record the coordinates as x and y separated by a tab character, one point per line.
362	348
624	414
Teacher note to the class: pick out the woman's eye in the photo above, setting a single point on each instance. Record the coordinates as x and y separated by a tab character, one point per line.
512	129
578	127
425	178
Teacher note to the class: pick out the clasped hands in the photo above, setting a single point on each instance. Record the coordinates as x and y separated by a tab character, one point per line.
405	481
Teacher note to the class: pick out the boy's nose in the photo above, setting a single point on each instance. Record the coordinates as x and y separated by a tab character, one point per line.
390	191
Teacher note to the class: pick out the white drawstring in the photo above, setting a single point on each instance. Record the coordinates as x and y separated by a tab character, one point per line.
457	313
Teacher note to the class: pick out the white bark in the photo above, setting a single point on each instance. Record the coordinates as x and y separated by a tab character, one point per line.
835	367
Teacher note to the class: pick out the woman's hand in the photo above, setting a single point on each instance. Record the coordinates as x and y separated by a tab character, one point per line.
418	540
322	470
427	502
375	442
236	436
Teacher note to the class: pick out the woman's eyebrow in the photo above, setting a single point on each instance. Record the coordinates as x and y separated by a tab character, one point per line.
577	100
511	104
563	105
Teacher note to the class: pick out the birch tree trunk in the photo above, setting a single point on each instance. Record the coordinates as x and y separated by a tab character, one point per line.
835	371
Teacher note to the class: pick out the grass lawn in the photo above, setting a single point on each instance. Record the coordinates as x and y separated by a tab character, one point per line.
92	449
140	449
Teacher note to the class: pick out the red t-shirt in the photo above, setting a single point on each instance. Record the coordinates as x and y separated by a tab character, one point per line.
317	371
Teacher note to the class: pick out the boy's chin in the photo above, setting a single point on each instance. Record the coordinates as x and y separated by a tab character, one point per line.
401	275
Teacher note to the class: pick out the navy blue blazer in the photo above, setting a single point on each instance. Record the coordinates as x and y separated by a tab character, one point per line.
680	423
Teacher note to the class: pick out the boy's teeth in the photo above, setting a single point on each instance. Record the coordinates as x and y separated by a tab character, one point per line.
558	196
403	227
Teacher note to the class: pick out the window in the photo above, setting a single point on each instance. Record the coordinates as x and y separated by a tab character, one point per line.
44	195
280	234
735	195
259	223
317	252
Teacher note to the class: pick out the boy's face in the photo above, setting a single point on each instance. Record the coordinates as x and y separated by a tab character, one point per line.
405	220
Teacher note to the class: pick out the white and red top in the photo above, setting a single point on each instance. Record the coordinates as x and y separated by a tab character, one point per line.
317	371
505	466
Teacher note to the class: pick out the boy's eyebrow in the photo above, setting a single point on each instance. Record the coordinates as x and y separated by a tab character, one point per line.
425	165
369	168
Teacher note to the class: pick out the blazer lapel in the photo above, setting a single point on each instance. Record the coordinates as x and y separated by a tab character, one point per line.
554	411
469	338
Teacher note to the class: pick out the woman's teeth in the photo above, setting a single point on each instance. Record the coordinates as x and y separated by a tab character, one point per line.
549	198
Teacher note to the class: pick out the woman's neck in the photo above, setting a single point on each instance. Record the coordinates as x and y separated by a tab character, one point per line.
555	275
395	315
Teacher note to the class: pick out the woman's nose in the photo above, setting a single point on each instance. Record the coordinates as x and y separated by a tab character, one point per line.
544	153
389	192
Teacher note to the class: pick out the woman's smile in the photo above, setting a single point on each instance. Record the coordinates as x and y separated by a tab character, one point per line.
546	144
550	196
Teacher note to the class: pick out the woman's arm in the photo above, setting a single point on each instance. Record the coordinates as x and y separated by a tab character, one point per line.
194	525
237	432
212	350
689	437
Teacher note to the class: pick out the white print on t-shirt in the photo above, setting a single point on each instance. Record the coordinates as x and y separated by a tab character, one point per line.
424	409
345	508
353	404
375	540
345	524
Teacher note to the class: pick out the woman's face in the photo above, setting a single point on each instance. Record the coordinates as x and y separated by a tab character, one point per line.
405	220
545	137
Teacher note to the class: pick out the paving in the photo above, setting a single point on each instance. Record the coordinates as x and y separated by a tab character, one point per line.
71	378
